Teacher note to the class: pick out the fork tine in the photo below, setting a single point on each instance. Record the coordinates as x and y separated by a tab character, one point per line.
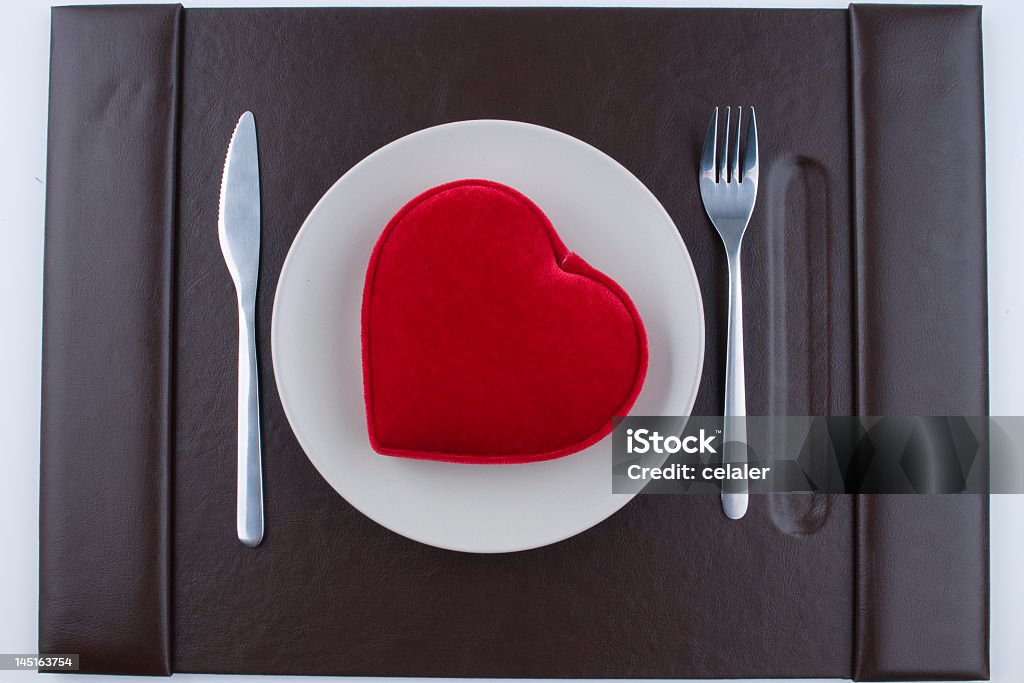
750	149
734	161
723	163
708	158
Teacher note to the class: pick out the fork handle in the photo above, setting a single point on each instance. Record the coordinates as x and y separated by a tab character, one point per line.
734	434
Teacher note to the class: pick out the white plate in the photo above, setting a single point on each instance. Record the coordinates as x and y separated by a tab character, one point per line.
600	210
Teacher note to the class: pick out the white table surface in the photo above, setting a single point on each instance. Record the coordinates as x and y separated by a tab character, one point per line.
24	57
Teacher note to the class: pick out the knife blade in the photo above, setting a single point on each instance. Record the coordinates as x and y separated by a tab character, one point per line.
238	228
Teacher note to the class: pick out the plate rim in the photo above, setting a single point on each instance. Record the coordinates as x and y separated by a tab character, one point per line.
285	271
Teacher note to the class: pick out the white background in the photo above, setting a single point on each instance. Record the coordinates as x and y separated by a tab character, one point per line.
24	53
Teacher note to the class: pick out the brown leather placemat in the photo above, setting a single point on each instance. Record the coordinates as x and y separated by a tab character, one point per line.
140	568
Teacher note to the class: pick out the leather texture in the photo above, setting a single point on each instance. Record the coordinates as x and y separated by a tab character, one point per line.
106	389
653	591
919	168
667	587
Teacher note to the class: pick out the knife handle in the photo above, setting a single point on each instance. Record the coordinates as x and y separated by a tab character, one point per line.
250	471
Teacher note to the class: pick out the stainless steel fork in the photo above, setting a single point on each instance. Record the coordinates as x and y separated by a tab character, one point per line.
729	191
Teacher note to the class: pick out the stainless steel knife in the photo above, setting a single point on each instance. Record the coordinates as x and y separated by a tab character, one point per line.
238	226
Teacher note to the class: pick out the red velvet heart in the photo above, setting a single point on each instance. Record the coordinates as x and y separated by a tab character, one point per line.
485	340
